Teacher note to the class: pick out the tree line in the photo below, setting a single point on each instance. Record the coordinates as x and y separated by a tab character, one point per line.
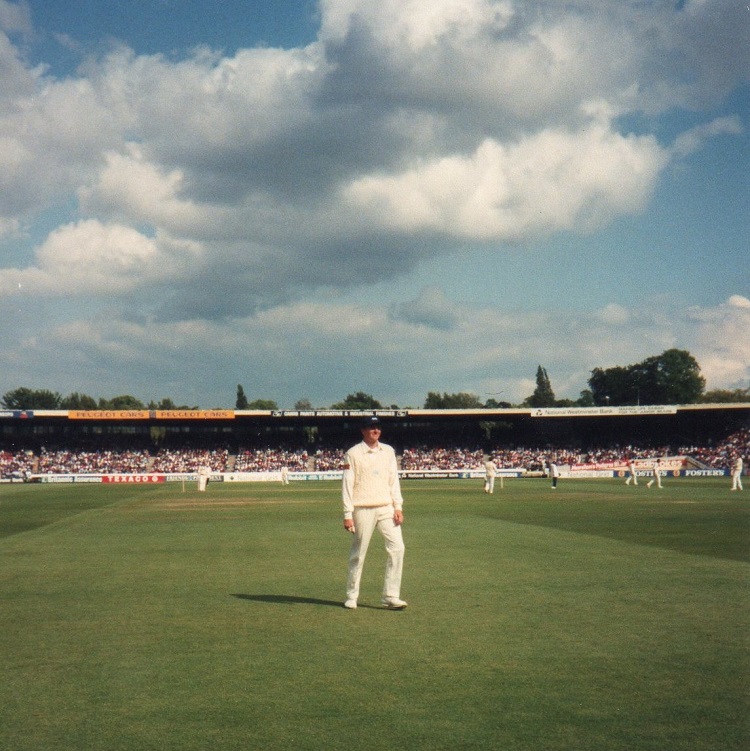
26	398
674	377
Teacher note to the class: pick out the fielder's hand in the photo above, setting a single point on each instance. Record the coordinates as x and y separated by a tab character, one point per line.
349	525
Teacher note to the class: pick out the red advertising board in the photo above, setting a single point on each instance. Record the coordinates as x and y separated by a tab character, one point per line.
142	479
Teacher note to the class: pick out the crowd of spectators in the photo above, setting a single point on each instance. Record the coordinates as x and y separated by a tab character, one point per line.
724	453
423	458
66	461
327	460
532	459
536	459
270	459
92	462
190	460
720	455
619	454
16	463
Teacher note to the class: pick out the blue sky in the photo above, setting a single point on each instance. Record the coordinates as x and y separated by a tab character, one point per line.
170	27
317	198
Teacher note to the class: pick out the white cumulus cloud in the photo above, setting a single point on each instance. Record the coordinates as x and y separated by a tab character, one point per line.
549	181
91	259
723	342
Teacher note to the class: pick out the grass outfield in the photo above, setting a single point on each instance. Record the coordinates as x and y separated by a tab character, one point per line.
596	616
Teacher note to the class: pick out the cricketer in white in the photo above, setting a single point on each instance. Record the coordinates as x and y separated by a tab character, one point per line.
372	498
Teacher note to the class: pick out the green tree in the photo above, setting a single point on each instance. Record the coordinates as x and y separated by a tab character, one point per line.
612	386
241	402
167	404
162	404
494	404
25	398
123	402
566	403
586	399
78	401
726	396
461	400
673	377
303	405
262	404
433	400
358	401
543	395
676	378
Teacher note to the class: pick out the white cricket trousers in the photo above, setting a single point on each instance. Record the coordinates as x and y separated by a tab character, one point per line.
365	521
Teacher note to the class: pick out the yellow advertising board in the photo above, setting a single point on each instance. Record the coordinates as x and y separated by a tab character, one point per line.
108	414
193	414
154	414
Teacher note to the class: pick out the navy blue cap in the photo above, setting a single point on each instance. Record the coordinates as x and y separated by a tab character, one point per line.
371	421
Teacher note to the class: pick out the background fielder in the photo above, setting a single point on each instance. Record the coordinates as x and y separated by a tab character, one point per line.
490	470
737	474
203	474
656	470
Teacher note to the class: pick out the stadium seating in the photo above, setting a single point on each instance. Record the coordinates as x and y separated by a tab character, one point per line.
18	464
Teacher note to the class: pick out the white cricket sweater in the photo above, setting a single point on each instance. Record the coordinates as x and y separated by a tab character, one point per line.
370	478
